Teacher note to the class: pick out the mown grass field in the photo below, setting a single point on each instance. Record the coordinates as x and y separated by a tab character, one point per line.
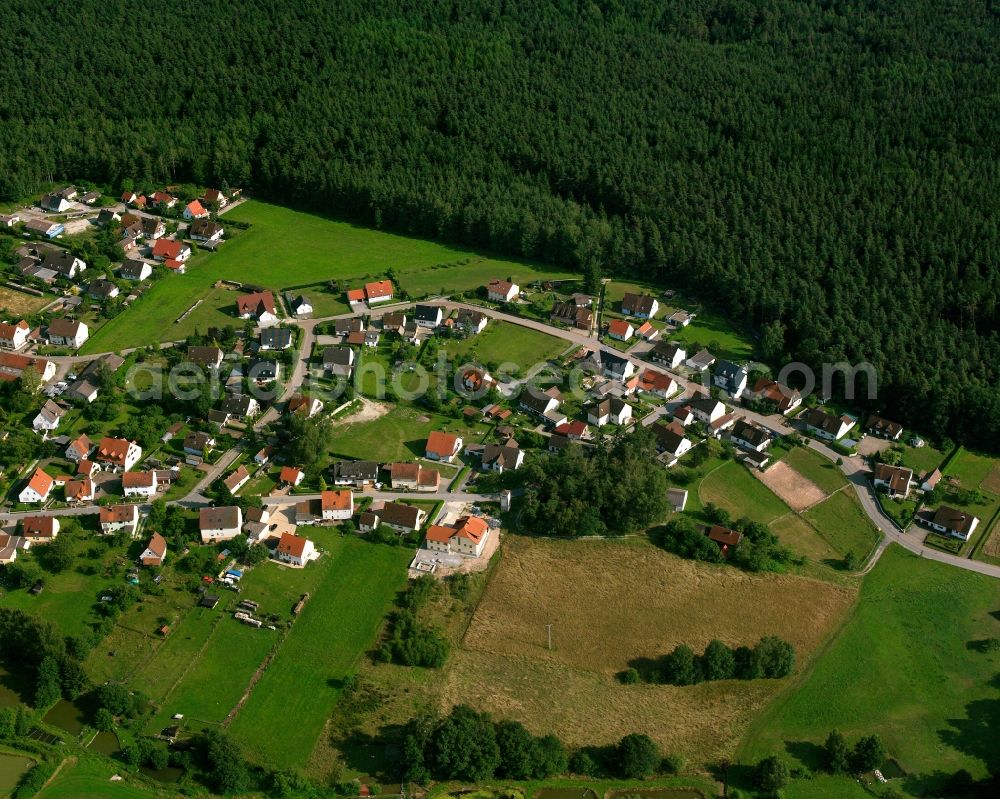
733	487
616	602
714	331
90	777
18	304
843	524
285	249
504	342
815	467
922	459
904	666
285	714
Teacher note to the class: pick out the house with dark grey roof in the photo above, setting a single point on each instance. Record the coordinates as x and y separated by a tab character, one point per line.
276	338
730	377
750	436
356	473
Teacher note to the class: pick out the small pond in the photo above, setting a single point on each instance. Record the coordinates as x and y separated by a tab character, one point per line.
168	774
8	696
105	743
66	716
657	793
11	769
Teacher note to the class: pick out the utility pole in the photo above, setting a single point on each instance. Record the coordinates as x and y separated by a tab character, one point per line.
549	628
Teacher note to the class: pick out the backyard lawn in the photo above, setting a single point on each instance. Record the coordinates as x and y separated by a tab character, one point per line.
506	342
286	712
712	330
733	487
843	524
90	777
286	249
905	666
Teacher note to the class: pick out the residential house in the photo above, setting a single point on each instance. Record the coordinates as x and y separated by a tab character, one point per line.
394	322
12	366
240	406
668	354
276	338
339	361
355	296
102	289
210	357
896	480
134	269
781	397
39	529
219	524
294	550
79	448
301	306
641	306
152	228
537	402
353	324
727	540
706	409
658	383
747	435
620	330
43	227
171	250
291	476
263	370
883	428
65	332
196	442
502	290
442	446
610	410
825	425
10	545
14	336
574	430
953	522
263	457
647	331
336	505
684	415
356	473
304	405
55	203
258	305
679	319
195	210
428	316
206	230
402	518
671	441
9	220
139	484
48	417
164	199
472	322
235	481
930	480
572	315
677	497
414	477
119	518
215	197
379	291
118	453
723	423
615	366
500	458
700	361
37	489
155	551
731	378
467	536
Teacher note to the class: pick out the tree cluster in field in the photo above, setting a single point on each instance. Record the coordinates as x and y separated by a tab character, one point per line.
759	550
411	641
771	658
868	753
50	661
470	746
610	489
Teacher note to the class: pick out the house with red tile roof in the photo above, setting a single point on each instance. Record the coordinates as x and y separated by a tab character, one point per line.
37	489
79	490
466	536
115	518
502	290
171	250
337	505
291	476
379	291
13	336
620	330
118	453
258	305
195	210
39	529
155	551
442	446
294	550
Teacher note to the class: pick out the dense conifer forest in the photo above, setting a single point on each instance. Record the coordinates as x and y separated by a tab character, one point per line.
826	171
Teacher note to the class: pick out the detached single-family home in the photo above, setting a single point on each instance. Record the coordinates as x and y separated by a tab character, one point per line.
118	453
210	357
139	484
215	197
152	228
727	540
37	489
502	290
610	410
750	436
102	289
263	370
684	415
65	332
219	524
414	477
304	405
44	227
39	529
731	378
195	210
155	551
196	442
615	366
883	428
356	473
467	536
428	316
537	403
79	448
442	446
700	361
671	441
572	315
336	505
953	522
134	269
12	366
48	417
276	338
259	306
79	490
240	406
55	203
402	518
301	306
500	458
10	545
826	425
379	291
620	330
783	398
116	518
472	322
14	336
171	250
896	480
930	480
162	198
294	550
291	476
205	230
706	409
679	319
9	220
642	306
658	383
237	479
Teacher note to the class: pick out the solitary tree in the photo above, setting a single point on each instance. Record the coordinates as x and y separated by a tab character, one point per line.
836	753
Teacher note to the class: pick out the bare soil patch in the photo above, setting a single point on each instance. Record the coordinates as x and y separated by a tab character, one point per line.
368	412
18	303
796	491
